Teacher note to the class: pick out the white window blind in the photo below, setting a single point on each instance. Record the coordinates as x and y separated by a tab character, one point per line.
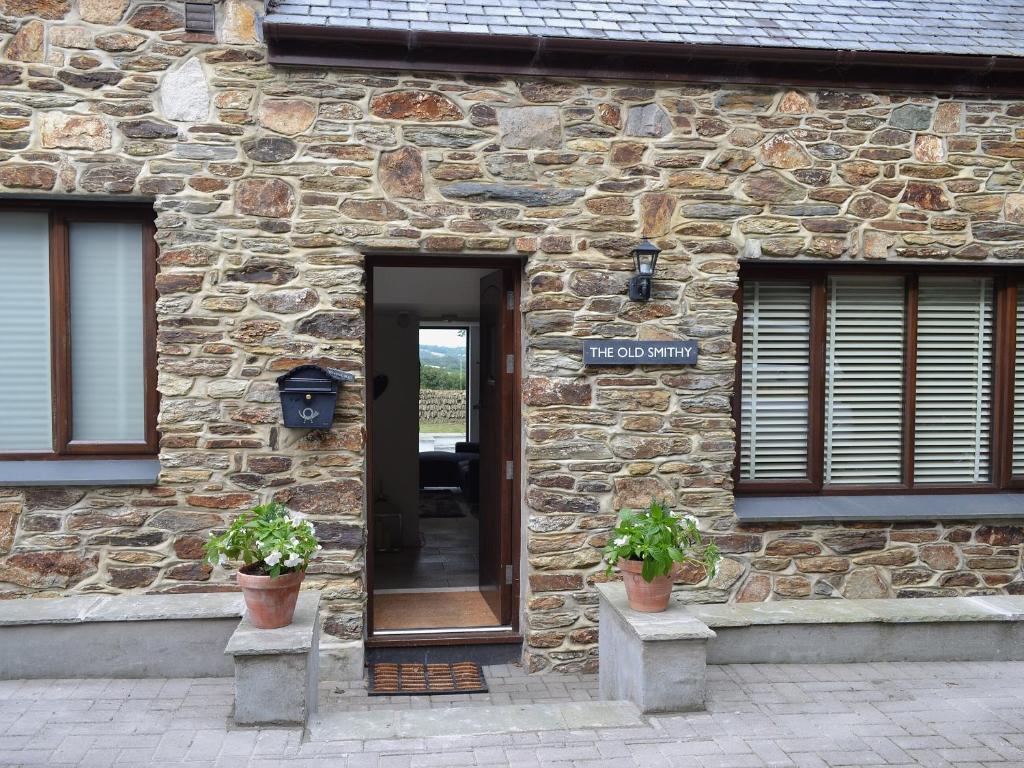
864	380
107	334
775	371
1018	390
25	407
954	380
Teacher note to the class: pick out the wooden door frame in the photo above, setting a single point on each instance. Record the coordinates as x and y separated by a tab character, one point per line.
513	268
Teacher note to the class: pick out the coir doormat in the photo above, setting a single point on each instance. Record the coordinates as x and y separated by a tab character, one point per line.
388	679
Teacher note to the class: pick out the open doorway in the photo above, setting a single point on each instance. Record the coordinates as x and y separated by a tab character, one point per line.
443	432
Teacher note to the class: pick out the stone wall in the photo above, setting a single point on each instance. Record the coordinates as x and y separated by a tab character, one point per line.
270	183
442	405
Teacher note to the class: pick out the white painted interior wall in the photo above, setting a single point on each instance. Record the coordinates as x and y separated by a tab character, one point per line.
396	416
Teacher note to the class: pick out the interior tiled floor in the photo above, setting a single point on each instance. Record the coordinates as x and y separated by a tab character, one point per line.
448	557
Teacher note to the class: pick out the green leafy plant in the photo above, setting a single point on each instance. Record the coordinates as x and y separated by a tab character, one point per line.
268	540
659	538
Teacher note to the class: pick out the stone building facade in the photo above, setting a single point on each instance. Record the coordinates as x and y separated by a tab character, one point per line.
271	183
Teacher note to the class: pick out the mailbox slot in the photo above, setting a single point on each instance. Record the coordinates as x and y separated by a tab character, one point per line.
309	394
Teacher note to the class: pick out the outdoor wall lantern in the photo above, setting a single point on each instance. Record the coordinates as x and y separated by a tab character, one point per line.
645	258
308	395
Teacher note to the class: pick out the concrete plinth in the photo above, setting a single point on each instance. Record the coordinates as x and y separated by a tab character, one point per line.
277	670
982	628
129	636
655	660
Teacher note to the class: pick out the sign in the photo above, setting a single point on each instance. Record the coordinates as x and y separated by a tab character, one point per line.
623	352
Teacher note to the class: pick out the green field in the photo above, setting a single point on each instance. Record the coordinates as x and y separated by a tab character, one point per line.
456	427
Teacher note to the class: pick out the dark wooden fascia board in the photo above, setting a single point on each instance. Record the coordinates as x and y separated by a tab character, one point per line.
459	53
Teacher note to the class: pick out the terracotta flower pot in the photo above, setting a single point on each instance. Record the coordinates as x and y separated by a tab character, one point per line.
270	602
645	596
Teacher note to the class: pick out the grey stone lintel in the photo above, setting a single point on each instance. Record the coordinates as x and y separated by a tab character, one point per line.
80	472
932	506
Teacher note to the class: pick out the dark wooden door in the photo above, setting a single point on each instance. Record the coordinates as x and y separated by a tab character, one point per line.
496	441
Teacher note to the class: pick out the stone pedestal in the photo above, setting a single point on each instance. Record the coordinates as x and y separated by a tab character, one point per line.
277	670
655	660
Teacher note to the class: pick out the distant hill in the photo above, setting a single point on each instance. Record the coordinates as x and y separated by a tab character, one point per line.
445	358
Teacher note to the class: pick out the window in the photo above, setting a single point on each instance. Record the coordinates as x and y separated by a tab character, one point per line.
882	380
77	330
444	387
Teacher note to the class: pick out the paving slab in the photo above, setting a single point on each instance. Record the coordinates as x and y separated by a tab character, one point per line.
95	608
56	610
782	612
167	607
297	637
1010	605
937	609
474	721
676	623
918	715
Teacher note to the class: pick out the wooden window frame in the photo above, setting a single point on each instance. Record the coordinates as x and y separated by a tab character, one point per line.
1005	289
60	216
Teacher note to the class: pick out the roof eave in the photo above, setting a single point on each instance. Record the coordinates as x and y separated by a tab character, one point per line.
593	58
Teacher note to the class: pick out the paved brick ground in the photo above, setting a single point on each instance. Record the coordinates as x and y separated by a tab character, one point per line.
969	715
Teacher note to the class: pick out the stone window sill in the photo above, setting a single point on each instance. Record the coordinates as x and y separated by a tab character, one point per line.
907	507
80	472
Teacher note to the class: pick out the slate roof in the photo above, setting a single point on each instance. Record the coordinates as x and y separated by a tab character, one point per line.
977	27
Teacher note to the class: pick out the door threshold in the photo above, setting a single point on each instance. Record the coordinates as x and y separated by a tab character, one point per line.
422	591
456	636
439	631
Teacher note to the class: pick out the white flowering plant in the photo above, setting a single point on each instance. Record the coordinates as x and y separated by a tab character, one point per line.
268	540
660	539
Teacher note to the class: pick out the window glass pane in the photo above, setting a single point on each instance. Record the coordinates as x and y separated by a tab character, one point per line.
107	346
775	372
25	408
1018	390
864	380
954	380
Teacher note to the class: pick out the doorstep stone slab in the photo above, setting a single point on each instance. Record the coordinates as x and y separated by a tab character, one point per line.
657	661
474	721
277	670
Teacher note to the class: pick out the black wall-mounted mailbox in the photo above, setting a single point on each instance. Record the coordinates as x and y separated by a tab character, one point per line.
308	394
